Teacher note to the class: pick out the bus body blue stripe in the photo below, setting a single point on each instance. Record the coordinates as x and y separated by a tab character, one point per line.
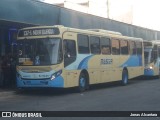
84	63
133	61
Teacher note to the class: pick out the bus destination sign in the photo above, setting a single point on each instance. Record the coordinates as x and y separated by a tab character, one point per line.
38	32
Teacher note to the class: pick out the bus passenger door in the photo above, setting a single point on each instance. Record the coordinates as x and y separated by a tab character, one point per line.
69	50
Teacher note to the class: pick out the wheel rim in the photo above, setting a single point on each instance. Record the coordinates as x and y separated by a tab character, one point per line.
125	77
82	82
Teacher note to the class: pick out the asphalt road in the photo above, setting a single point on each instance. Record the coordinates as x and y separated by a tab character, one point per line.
138	95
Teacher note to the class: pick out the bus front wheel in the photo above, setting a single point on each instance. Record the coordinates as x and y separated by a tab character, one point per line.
83	84
124	77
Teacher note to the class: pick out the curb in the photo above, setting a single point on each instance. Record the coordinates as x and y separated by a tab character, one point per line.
6	91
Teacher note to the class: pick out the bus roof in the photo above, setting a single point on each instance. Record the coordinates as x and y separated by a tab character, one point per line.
105	31
155	41
151	42
56	29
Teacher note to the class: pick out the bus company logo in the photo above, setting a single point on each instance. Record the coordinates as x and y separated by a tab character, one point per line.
106	61
6	114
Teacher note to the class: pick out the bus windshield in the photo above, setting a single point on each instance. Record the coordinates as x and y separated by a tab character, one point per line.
39	51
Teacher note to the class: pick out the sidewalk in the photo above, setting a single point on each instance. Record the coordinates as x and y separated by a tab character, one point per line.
7	90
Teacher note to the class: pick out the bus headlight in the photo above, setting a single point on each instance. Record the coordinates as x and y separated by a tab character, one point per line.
150	67
56	74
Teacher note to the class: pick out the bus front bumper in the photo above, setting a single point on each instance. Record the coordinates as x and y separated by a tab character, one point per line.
148	72
56	82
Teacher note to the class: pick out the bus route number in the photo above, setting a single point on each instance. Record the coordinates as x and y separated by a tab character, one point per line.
106	61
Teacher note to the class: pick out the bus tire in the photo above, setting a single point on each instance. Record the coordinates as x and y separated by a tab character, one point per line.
124	77
83	82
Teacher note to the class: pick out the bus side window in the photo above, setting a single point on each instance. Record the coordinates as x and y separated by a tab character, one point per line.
105	46
69	49
133	50
139	48
95	45
124	47
115	47
154	54
83	44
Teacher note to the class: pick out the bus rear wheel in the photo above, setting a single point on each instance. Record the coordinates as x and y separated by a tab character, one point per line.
124	77
83	82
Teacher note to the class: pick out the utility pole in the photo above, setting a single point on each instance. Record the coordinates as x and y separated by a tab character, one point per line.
108	9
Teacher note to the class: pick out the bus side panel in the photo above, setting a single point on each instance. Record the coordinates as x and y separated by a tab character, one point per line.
134	65
71	78
105	68
156	71
115	69
102	68
94	69
105	75
135	72
94	76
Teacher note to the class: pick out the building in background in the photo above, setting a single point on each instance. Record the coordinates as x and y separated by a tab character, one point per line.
120	10
136	12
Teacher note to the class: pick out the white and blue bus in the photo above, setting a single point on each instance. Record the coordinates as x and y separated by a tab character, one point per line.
152	58
63	57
